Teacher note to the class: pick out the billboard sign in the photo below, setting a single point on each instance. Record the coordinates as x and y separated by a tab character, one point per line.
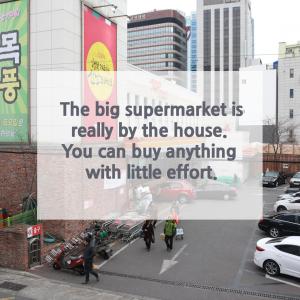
14	72
100	64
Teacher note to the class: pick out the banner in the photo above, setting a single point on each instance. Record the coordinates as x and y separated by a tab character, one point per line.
100	64
14	72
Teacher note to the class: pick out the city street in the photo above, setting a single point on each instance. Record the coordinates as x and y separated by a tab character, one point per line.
213	261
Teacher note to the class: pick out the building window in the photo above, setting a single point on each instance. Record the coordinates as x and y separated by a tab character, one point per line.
226	39
291	113
128	98
236	39
207	40
137	100
292	73
217	40
291	93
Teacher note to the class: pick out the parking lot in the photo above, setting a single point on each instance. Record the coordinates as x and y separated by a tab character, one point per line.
214	261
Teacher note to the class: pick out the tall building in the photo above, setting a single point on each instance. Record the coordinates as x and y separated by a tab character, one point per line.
289	91
192	52
225	43
157	42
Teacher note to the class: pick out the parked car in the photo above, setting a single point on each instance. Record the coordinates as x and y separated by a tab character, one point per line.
291	190
212	189
284	223
174	190
289	196
279	256
287	204
273	178
295	180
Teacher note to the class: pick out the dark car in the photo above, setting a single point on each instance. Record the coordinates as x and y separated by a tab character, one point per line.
273	178
284	223
174	190
212	189
291	190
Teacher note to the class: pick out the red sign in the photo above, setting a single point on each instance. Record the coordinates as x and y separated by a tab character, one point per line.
100	64
34	230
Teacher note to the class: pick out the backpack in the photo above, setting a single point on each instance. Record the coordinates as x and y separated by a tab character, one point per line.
169	228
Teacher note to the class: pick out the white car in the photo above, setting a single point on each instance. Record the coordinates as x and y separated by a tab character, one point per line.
279	255
287	204
295	180
289	196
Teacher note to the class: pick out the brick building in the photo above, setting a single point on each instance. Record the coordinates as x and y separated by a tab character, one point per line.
50	39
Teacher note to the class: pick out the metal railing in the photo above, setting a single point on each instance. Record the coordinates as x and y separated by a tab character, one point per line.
27	217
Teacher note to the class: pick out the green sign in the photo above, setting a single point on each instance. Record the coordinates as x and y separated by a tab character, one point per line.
14	72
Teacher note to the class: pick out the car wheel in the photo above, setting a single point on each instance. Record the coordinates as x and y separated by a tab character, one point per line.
271	267
274	232
276	184
281	208
182	199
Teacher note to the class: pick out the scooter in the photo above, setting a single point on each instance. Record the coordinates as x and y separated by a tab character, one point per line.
74	263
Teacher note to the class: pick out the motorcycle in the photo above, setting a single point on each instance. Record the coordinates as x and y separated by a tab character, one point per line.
74	263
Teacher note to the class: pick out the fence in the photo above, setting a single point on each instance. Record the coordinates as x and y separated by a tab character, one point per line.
287	163
27	217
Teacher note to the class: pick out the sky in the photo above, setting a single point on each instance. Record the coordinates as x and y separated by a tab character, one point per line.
275	21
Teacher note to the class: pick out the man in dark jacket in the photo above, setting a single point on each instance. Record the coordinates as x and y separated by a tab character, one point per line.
88	256
148	234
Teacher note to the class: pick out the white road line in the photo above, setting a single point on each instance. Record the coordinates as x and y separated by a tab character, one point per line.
283	281
119	251
126	246
116	253
179	252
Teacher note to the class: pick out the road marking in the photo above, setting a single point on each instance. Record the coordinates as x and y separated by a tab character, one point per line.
169	263
126	246
120	250
115	254
245	256
283	281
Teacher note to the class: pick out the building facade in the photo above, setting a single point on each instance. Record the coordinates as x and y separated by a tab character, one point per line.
289	91
50	34
225	43
157	42
192	52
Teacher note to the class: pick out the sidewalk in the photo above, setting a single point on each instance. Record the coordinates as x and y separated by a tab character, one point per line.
36	287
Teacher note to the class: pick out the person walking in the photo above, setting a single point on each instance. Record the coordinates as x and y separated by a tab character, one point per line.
169	231
148	233
88	257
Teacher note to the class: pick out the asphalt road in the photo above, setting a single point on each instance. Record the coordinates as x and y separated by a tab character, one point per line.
214	261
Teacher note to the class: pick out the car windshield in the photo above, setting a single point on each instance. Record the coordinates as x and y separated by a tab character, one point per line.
271	174
297	175
277	240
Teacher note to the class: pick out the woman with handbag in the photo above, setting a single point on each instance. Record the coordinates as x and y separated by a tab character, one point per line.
148	233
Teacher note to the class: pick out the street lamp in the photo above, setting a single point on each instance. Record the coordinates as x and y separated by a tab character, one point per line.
114	7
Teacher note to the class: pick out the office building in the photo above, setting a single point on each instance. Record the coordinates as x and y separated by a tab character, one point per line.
192	51
225	43
289	91
157	42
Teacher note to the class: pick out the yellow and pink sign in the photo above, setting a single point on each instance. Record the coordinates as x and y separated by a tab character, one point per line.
100	64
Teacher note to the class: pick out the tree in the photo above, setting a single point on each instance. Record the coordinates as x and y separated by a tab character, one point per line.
280	133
